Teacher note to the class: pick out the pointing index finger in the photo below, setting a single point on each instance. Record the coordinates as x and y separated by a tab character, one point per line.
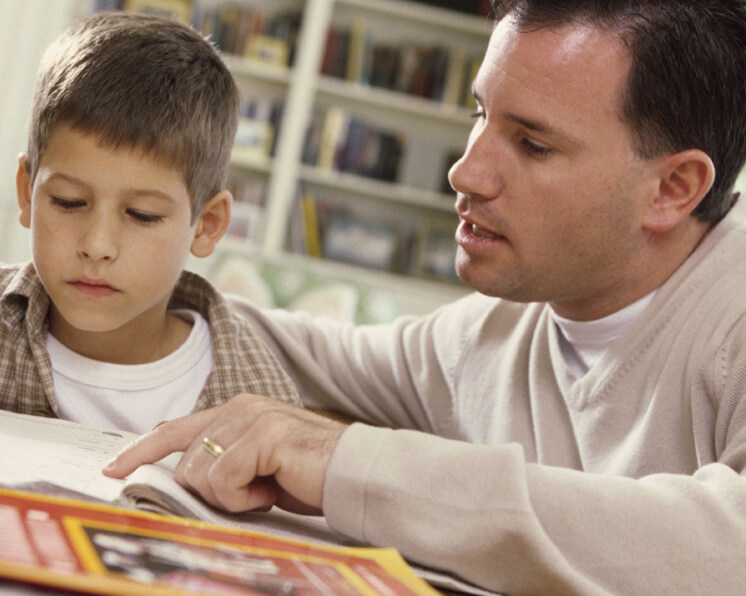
166	438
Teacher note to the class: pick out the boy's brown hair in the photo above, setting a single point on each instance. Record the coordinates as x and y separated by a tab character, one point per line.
143	82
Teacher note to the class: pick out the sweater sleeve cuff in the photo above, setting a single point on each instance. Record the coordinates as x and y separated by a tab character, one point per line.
350	467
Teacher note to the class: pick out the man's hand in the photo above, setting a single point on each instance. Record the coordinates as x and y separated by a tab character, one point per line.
275	454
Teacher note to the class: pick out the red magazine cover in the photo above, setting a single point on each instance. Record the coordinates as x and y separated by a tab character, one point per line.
91	548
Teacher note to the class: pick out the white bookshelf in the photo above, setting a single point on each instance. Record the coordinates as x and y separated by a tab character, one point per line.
433	129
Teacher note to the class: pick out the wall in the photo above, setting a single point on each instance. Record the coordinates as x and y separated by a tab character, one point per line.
26	28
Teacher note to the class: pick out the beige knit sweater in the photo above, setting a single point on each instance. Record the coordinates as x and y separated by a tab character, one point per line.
630	480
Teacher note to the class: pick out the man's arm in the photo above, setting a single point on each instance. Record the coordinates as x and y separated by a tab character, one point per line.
480	512
393	375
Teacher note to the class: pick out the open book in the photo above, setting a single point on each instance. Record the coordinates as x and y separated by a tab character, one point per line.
63	458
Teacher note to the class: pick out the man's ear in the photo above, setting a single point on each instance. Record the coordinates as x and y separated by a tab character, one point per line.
212	224
23	191
685	178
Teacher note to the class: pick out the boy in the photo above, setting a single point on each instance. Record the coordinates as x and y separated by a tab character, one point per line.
131	131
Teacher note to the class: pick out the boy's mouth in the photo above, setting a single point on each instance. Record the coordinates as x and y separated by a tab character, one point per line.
96	288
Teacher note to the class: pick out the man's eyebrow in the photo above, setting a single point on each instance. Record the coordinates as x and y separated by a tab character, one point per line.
543	128
533	124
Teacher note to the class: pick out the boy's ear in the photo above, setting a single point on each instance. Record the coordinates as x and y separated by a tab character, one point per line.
212	223
23	191
685	178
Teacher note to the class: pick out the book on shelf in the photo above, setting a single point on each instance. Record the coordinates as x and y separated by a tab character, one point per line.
472	67
474	7
430	71
324	228
449	159
456	77
265	48
311	231
246	31
65	524
254	138
340	141
307	223
437	249
335	57
359	40
176	9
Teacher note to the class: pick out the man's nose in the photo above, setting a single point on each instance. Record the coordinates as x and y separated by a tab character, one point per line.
477	173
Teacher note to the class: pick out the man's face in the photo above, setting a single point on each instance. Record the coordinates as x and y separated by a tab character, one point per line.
550	190
111	229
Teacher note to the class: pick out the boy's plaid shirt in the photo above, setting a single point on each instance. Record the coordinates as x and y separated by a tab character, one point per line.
243	364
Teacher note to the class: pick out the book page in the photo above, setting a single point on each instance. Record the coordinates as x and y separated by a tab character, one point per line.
69	455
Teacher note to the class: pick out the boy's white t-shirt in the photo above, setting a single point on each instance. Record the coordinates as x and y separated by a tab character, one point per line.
133	397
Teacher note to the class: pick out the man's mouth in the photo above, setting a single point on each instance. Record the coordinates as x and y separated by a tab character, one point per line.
482	233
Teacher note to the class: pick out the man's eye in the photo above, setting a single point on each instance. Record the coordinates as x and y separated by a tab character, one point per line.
144	217
479	113
534	149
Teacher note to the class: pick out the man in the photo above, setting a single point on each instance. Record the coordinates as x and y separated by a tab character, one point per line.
590	402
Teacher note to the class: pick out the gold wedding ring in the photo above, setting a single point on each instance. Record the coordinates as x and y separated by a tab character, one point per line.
212	447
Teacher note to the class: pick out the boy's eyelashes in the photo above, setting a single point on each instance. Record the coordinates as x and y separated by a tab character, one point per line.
67	204
144	217
137	215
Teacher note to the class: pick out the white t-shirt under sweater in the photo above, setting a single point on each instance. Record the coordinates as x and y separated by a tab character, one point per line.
133	397
584	342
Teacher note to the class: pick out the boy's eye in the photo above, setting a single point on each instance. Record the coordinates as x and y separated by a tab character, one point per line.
67	204
144	217
533	149
478	113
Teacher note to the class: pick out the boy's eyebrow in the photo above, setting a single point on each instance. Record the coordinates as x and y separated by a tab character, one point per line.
138	192
65	178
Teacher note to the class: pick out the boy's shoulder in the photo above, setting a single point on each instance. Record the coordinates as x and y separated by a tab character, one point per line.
22	295
18	278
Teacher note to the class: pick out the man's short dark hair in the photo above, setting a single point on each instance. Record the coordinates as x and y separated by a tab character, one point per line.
687	85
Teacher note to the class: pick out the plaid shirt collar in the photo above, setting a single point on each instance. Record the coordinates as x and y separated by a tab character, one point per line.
243	363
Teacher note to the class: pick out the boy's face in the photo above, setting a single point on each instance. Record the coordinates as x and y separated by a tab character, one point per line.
111	230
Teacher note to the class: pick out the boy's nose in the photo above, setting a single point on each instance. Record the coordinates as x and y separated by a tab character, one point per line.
99	241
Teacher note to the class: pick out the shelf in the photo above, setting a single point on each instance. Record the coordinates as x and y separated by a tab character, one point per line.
255	69
421	14
384	191
394	102
432	129
414	294
255	164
